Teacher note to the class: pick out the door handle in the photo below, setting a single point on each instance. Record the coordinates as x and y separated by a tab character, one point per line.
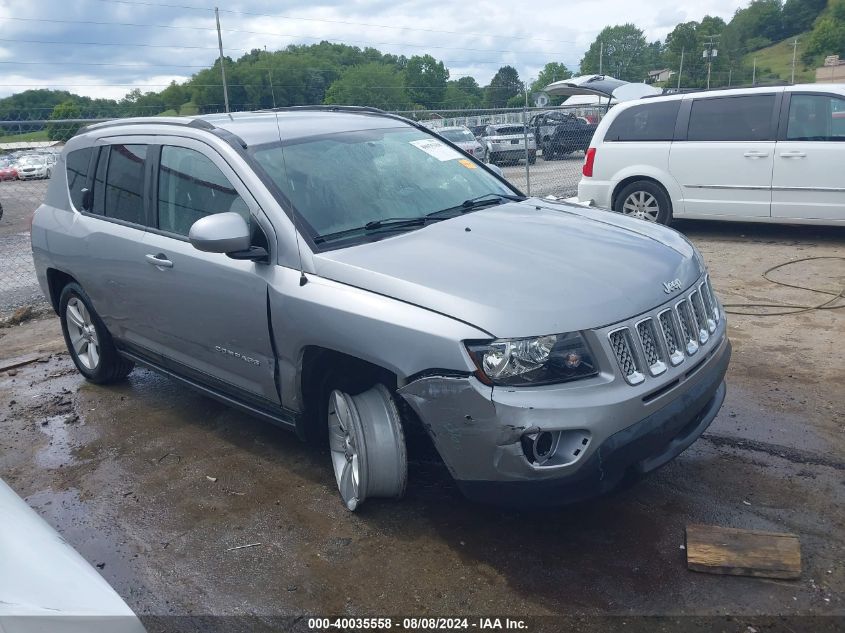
793	154
159	260
755	154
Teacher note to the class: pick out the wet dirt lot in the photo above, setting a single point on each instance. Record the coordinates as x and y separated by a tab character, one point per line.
124	474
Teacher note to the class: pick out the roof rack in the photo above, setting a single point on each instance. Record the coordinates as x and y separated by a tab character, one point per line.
327	108
180	121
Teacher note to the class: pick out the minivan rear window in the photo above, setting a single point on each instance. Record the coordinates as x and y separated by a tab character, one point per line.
76	164
740	118
646	122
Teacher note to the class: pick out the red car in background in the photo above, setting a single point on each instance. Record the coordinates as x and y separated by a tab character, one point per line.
7	170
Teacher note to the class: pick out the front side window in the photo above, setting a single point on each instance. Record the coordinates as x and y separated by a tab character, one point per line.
341	182
742	118
76	164
190	187
816	118
646	122
124	198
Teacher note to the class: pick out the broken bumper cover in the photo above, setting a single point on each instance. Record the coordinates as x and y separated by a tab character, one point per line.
478	433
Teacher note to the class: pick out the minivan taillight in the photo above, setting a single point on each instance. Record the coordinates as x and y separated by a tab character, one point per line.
589	159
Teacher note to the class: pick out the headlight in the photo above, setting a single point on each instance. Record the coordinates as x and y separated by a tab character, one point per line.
541	360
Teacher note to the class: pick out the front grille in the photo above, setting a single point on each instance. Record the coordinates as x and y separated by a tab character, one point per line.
651	348
688	329
712	296
700	317
670	336
707	300
620	342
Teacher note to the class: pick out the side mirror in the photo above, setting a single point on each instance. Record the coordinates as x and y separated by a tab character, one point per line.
496	170
220	233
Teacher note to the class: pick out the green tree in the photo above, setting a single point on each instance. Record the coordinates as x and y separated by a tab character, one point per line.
373	84
504	85
798	15
63	131
463	94
425	81
552	72
623	51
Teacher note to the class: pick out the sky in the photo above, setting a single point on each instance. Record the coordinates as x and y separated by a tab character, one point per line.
105	48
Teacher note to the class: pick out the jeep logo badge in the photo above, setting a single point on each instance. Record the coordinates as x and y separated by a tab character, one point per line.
671	286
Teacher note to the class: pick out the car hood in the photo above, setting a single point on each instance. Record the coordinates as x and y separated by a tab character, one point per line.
524	268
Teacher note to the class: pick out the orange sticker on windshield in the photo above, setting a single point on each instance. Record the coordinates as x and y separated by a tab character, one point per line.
468	163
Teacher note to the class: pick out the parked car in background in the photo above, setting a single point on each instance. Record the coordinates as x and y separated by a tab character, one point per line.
7	170
506	143
772	154
463	138
478	130
369	282
32	167
558	133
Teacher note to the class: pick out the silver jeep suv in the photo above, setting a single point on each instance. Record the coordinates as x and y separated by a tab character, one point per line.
349	275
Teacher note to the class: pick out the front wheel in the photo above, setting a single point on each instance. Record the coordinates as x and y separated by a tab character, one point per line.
87	339
367	445
645	200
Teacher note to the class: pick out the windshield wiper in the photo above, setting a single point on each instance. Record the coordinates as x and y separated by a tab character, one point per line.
487	198
373	226
483	200
392	224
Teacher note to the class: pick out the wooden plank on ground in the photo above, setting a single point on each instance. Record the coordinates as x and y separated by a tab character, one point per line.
720	550
19	361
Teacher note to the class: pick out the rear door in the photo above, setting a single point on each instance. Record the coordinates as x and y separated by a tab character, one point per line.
113	227
723	154
809	164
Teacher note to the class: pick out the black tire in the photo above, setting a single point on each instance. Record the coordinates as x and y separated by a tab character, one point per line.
549	151
532	158
110	366
647	189
1	211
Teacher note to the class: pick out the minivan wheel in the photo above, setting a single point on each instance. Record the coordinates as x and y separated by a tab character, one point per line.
87	339
645	200
367	445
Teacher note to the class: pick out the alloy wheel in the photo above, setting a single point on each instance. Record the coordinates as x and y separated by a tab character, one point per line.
83	334
642	205
367	445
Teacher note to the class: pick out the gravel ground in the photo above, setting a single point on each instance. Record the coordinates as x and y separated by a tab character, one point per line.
122	472
18	285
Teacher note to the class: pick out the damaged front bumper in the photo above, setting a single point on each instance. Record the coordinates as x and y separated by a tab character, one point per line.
603	431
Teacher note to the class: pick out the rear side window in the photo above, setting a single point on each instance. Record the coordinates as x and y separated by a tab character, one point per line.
125	183
76	164
743	118
647	122
191	186
816	118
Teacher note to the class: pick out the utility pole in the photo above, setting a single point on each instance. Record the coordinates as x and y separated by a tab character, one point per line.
601	56
222	68
754	73
709	54
730	75
794	54
525	139
681	68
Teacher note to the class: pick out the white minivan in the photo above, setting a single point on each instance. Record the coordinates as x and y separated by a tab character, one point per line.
772	154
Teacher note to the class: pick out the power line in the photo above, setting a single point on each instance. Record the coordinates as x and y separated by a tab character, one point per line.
324	20
291	35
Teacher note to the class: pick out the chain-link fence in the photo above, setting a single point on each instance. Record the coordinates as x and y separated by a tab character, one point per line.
554	137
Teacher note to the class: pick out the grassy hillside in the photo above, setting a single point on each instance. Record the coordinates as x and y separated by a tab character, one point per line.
41	135
775	62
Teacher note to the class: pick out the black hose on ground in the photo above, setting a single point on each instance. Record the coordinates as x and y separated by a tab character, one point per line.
791	308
